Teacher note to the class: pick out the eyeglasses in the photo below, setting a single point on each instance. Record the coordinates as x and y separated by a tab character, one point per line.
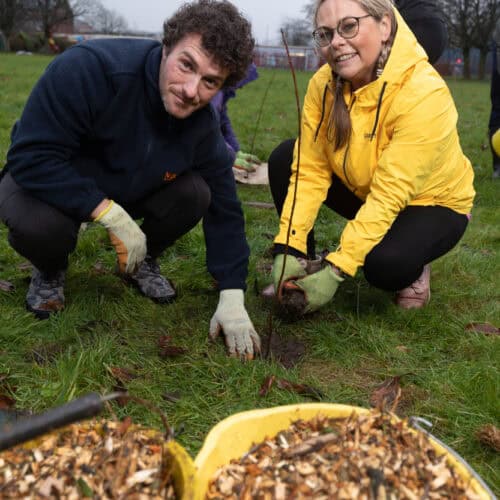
346	28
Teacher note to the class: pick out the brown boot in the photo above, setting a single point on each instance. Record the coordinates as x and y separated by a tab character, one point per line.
418	294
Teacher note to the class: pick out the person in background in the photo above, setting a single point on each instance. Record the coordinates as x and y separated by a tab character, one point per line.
494	122
121	129
244	161
427	20
375	151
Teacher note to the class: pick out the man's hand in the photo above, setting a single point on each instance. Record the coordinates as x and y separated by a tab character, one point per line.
319	288
246	161
293	269
232	318
125	235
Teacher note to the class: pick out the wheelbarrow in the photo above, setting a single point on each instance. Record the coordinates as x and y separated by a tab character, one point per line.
32	430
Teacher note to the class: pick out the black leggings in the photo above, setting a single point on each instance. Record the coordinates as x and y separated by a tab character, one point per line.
418	235
46	236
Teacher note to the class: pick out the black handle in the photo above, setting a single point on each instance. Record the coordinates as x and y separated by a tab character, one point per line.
31	427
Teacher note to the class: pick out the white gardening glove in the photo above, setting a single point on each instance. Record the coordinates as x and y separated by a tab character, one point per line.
232	318
125	235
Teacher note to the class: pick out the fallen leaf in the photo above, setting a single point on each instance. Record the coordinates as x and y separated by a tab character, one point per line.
6	402
387	394
403	348
164	341
172	351
25	266
266	385
302	389
167	350
122	375
486	328
6	286
489	435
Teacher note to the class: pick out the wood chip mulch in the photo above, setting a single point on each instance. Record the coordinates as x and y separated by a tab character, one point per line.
363	457
107	460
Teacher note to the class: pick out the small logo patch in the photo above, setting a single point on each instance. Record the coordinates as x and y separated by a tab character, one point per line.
169	176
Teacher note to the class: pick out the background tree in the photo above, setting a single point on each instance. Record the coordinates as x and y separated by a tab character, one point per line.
110	22
46	15
308	10
103	20
9	12
297	31
471	24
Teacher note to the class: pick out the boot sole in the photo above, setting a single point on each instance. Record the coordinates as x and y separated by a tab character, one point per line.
158	300
41	313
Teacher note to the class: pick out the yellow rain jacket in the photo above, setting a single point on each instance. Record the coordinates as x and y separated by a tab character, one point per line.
404	150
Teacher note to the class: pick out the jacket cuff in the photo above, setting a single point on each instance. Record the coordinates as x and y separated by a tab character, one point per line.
345	264
278	248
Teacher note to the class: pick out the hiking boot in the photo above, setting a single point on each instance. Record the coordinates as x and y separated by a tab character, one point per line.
151	283
311	266
418	294
45	293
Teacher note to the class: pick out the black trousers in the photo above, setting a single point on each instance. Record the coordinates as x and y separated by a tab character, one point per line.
418	236
46	236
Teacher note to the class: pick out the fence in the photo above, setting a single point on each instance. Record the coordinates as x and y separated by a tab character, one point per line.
303	58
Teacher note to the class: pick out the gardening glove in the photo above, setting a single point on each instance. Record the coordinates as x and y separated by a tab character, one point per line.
246	161
125	235
293	269
232	318
319	288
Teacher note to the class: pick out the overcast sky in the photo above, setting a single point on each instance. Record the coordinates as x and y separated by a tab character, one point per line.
266	16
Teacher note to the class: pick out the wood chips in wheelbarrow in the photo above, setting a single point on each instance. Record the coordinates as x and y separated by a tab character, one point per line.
105	460
368	456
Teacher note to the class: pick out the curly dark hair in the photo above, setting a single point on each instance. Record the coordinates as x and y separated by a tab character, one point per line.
225	34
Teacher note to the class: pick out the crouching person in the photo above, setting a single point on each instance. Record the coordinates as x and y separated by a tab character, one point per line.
117	130
375	152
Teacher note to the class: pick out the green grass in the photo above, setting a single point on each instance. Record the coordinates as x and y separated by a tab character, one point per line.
451	375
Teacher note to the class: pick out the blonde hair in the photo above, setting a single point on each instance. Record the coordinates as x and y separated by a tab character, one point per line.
339	121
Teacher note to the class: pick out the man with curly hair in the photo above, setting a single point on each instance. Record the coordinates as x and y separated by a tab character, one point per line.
117	130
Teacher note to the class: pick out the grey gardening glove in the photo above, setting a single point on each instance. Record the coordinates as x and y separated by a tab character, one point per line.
232	319
125	235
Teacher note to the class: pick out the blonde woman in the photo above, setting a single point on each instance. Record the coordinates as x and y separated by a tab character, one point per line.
380	147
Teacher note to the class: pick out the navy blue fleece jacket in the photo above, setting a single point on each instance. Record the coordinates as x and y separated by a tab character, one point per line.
95	126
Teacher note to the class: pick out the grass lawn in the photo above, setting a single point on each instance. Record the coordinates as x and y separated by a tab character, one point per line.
449	375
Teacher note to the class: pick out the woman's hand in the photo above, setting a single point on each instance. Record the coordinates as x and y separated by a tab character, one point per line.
320	287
